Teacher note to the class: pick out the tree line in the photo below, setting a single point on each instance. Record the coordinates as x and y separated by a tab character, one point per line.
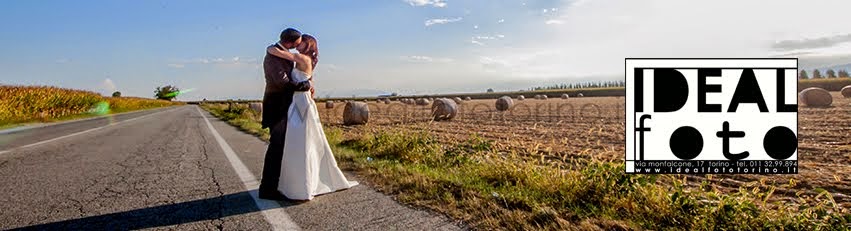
816	74
595	84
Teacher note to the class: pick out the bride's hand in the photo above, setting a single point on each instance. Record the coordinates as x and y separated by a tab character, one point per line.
312	90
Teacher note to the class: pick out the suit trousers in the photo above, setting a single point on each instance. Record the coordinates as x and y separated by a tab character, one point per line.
274	155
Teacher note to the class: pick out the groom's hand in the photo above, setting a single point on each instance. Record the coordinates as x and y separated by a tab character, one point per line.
303	86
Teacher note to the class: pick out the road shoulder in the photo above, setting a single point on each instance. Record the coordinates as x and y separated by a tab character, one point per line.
360	208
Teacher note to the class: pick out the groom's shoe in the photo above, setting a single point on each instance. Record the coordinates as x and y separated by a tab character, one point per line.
275	196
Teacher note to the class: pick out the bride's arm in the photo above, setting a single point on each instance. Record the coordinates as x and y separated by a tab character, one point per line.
284	54
298	58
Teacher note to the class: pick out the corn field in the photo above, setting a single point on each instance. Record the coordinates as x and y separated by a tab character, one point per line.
20	104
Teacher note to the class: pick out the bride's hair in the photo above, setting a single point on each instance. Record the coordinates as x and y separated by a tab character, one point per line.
312	49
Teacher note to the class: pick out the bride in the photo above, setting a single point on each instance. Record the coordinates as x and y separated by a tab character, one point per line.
308	167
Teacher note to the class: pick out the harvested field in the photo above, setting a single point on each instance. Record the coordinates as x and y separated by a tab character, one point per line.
568	133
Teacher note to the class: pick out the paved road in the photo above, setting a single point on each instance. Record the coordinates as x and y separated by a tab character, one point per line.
171	168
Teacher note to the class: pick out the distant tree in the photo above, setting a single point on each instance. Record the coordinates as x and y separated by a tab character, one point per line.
490	90
830	73
843	73
803	75
816	74
168	92
116	94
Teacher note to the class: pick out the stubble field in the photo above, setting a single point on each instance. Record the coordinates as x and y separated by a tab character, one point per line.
567	133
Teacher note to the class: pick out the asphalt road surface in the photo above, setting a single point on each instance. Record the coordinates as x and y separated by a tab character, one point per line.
170	168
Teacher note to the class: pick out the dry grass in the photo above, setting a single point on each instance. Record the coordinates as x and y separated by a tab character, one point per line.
831	84
494	172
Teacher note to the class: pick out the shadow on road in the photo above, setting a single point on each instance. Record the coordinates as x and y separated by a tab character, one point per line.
163	215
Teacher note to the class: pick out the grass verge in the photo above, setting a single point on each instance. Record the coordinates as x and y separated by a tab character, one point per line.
473	182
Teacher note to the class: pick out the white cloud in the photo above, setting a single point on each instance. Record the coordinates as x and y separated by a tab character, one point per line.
108	86
479	38
425	59
578	2
553	21
491	61
435	21
821	42
434	3
328	67
235	61
594	37
500	21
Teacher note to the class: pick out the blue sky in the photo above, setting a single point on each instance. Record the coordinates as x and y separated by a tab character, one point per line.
405	46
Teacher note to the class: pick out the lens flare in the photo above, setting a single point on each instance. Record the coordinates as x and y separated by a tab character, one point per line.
177	93
102	108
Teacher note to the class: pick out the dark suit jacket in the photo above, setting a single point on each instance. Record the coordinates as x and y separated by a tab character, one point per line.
279	89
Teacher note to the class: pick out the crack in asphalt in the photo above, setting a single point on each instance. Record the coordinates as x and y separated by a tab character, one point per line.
220	223
116	185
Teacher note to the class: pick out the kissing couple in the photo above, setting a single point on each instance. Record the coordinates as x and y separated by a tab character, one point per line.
299	163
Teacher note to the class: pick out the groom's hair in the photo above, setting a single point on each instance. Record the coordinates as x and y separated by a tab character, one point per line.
290	35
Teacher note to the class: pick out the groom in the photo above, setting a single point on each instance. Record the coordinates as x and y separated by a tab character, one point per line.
276	102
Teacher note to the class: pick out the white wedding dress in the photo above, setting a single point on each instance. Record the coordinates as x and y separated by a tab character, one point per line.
308	167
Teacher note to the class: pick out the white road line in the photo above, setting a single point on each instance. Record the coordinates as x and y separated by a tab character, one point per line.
275	215
83	132
28	127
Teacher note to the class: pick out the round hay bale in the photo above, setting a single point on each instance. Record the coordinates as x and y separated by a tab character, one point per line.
387	101
580	95
355	113
329	104
444	109
423	102
504	103
846	91
256	107
521	97
565	96
543	97
467	98
815	97
458	100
